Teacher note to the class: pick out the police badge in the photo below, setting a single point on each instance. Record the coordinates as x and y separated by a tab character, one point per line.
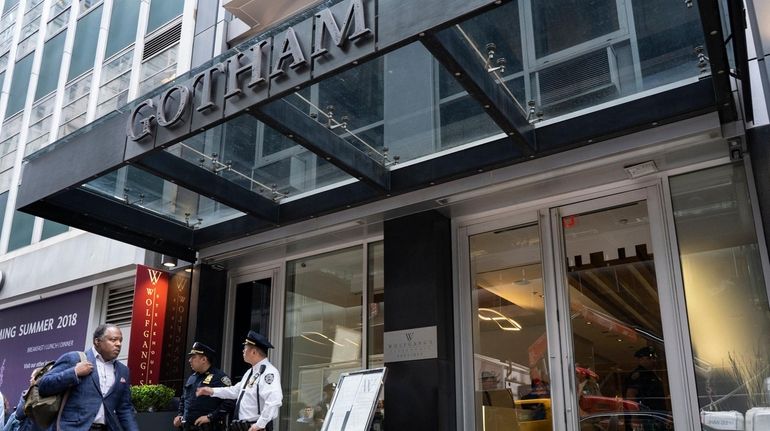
269	378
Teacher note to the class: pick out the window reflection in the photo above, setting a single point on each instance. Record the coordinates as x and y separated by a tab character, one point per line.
727	303
323	331
617	334
509	341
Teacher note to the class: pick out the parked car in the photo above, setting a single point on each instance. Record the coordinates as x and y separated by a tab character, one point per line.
627	421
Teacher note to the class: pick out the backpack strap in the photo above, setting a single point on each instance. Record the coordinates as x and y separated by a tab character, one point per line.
83	358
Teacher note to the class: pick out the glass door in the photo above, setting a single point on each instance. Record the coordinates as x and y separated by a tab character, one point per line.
615	297
511	371
252	312
575	323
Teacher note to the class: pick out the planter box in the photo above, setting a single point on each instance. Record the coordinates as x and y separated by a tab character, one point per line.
156	421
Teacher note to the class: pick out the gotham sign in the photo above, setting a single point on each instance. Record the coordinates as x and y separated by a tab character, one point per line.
271	67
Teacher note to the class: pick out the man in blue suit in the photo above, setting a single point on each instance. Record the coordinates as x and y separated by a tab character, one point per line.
99	396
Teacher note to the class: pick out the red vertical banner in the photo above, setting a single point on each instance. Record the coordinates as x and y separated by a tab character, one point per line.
147	325
175	331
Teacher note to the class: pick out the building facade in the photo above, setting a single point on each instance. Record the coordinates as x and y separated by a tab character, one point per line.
560	204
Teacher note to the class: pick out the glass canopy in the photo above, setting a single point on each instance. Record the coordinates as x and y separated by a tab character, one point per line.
501	83
254	156
398	107
556	57
139	189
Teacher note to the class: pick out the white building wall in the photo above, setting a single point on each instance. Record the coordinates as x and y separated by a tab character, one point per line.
74	259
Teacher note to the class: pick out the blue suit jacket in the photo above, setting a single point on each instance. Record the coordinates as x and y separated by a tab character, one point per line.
85	396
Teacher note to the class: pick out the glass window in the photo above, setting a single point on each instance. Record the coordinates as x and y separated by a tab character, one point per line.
376	306
163	11
41	117
726	296
9	4
158	70
323	328
3	204
75	105
6	37
58	6
21	230
667	34
27	45
116	77
18	93
51	229
86	36
125	16
87	4
58	22
49	69
578	21
9	134
510	345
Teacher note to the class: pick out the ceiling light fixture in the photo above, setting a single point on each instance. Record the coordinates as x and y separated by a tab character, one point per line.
323	338
505	323
523	280
168	261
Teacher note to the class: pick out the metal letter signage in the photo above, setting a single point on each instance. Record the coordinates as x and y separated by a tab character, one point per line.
325	21
184	99
205	79
289	49
145	123
255	67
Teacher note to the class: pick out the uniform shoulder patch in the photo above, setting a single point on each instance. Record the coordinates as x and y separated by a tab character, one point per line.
269	378
226	381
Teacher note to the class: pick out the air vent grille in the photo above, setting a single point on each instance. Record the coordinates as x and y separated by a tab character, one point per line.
120	303
575	77
162	41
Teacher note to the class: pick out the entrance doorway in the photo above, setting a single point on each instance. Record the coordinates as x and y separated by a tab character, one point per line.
252	312
570	319
608	287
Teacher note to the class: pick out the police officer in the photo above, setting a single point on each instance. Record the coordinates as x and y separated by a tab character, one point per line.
203	413
258	395
643	385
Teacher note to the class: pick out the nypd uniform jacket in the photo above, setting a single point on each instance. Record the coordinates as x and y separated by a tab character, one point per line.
649	388
192	407
264	408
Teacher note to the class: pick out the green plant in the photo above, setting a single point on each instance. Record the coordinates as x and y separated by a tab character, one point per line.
149	398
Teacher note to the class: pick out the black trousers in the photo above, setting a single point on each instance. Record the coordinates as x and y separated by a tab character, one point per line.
245	425
211	426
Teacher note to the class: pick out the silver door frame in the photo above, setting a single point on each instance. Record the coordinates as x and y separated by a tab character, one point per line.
671	298
560	348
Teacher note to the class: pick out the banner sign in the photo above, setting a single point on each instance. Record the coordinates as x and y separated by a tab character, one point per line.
147	325
175	334
41	331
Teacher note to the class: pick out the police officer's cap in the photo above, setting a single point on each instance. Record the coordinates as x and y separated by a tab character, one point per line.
256	339
645	352
199	348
